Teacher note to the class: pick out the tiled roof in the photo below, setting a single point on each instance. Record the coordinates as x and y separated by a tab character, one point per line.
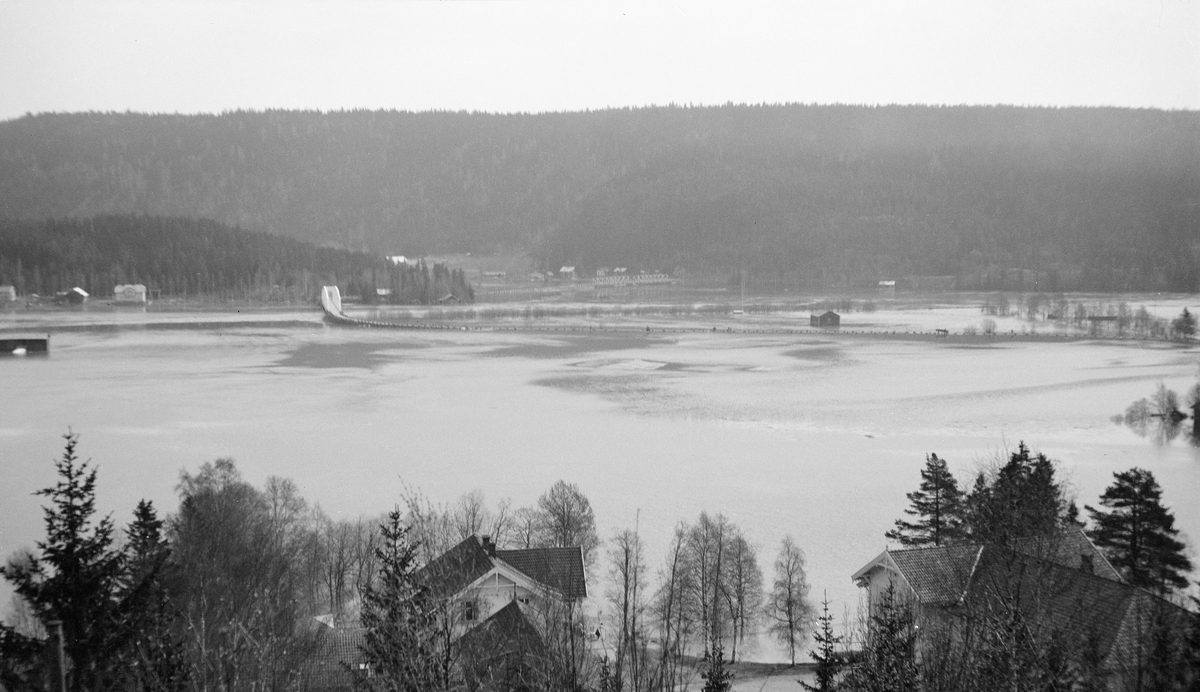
558	568
1040	578
455	569
938	575
1067	549
1052	596
336	649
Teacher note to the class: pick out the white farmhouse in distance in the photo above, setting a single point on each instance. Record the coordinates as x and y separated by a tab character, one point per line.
129	293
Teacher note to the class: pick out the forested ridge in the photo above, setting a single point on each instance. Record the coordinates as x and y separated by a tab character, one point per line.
183	257
998	197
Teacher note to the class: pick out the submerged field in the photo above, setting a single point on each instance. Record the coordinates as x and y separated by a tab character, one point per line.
817	435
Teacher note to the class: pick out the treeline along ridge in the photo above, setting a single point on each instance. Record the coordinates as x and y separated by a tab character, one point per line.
996	197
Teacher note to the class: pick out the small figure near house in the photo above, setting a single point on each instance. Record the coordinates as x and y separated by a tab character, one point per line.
828	319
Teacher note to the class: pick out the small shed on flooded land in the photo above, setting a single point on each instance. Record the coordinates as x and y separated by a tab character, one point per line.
8	294
827	319
74	296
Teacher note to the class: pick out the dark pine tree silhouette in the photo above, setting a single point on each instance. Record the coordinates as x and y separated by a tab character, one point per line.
76	578
1023	499
400	619
937	506
717	678
829	659
1138	534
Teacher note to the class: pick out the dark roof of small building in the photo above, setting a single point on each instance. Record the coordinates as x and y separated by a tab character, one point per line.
456	569
337	653
941	575
1058	597
558	568
508	629
938	575
1068	548
1046	579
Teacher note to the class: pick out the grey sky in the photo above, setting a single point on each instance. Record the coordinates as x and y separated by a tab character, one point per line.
497	55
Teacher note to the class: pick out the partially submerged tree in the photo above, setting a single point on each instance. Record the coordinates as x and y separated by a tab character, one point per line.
1184	326
789	611
1137	533
937	506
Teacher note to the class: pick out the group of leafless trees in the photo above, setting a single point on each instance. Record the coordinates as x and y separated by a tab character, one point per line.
709	598
1098	317
222	594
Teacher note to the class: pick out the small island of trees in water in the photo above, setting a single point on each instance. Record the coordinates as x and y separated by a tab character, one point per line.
239	588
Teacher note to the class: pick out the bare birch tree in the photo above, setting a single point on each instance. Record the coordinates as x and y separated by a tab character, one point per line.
789	611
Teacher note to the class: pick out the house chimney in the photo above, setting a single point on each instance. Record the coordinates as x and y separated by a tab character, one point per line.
1086	564
489	546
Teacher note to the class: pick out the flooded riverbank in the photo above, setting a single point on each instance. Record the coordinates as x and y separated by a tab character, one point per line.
815	435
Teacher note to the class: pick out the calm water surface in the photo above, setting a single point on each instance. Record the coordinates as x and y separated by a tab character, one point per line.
815	436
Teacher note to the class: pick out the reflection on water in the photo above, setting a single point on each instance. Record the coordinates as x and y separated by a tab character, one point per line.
1159	419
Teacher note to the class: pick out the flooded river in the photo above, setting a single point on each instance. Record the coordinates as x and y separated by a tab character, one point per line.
814	435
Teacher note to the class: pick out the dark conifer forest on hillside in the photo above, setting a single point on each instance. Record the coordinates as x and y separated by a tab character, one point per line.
996	197
181	257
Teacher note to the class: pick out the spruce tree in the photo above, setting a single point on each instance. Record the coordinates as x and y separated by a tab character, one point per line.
937	506
154	659
828	658
399	616
77	576
717	678
1138	534
1023	499
889	653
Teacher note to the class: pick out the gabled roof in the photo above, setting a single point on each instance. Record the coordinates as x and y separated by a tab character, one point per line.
336	650
457	568
507	629
1043	578
1068	548
938	575
1056	597
558	568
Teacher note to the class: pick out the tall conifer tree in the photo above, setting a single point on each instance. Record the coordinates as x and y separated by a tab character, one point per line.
937	506
829	659
76	577
399	617
1023	499
1138	534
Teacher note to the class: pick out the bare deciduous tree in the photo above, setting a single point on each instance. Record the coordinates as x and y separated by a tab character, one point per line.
789	611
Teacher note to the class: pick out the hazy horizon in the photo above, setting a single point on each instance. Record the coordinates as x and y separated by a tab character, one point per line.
214	56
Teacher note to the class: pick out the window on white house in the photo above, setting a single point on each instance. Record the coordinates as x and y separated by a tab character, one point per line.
470	611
